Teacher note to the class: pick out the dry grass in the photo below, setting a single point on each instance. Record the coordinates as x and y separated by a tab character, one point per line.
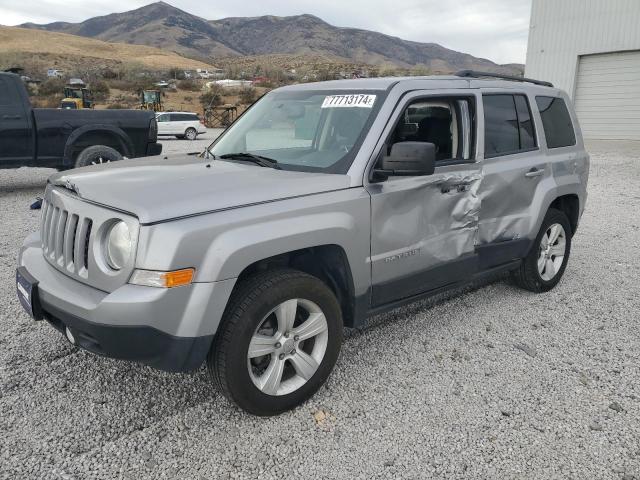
38	42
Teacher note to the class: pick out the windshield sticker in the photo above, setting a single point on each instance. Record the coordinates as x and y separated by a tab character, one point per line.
357	100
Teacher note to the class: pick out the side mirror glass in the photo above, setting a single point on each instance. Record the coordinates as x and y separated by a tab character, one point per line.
409	159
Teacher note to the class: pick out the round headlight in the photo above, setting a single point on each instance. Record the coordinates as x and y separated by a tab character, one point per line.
118	245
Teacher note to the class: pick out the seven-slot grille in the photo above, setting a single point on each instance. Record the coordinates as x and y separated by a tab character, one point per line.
65	238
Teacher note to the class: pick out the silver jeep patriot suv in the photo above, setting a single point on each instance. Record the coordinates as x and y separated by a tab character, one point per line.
324	203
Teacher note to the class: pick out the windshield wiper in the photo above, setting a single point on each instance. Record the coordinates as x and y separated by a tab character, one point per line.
250	157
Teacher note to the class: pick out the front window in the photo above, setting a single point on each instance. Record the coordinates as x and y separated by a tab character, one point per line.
304	130
445	122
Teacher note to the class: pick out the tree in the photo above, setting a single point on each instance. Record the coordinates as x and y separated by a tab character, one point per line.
212	97
176	73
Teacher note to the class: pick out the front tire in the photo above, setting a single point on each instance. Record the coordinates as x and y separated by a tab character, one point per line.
278	341
544	266
96	155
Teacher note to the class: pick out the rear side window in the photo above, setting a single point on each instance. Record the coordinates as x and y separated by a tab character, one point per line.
7	93
556	121
184	117
508	127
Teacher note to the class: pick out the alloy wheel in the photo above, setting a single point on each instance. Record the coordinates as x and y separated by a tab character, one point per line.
287	347
100	161
553	247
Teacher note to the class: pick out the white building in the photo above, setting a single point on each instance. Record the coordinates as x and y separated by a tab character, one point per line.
591	49
228	83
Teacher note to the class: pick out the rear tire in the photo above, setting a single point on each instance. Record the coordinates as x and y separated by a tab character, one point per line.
277	343
97	155
191	133
544	266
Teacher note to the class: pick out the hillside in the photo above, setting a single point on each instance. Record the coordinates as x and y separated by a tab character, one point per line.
67	50
164	26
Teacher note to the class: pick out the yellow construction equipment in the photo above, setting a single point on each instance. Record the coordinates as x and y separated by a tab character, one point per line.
76	97
151	100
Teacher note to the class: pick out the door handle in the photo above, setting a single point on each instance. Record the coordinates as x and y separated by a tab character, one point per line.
11	117
534	172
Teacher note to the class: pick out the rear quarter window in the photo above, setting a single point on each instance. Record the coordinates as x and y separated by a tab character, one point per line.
556	122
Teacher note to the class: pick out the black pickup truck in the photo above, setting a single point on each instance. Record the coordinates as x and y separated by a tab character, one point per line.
62	139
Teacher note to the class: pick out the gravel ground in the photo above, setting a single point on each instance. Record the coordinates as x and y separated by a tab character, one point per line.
495	383
173	145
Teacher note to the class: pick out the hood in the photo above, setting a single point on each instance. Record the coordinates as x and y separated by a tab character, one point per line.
163	188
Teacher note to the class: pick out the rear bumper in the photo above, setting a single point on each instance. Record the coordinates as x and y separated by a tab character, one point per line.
154	149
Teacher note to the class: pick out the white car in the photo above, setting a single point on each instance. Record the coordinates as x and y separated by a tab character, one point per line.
180	124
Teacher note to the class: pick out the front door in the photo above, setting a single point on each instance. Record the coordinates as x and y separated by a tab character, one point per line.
164	124
423	228
16	147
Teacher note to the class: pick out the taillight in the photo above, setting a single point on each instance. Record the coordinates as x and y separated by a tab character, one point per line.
153	130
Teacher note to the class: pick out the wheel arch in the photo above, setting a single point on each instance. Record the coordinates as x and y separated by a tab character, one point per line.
570	205
90	135
327	262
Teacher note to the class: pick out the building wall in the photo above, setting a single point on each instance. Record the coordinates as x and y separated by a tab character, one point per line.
562	30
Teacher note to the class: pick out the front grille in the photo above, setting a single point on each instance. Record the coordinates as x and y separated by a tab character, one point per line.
72	232
65	238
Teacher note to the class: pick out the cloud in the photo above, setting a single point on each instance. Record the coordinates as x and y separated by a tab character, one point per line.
494	29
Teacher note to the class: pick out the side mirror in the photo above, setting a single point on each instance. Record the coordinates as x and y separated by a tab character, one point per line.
409	159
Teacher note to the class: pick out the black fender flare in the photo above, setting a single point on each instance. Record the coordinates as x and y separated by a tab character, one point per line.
111	130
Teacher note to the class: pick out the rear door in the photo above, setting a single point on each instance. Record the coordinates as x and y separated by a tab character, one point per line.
514	173
179	123
16	145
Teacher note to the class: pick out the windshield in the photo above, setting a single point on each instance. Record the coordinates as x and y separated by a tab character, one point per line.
304	130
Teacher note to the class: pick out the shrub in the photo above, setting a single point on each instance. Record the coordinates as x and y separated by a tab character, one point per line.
248	95
51	101
100	90
51	86
188	85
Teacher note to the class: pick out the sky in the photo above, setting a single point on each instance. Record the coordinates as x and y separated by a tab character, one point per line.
493	29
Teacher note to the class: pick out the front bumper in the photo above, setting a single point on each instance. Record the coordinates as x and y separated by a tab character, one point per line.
169	329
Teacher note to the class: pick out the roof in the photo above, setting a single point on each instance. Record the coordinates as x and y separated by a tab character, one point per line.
189	113
384	83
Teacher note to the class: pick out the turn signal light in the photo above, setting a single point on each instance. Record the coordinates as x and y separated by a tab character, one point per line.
152	278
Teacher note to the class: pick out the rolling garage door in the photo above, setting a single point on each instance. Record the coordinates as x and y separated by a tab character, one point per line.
607	98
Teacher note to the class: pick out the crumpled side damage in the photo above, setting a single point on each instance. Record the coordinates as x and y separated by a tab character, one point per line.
434	218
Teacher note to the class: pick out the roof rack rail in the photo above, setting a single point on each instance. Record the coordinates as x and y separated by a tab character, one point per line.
476	74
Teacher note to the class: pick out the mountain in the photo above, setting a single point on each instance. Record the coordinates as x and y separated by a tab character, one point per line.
164	26
67	51
157	25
